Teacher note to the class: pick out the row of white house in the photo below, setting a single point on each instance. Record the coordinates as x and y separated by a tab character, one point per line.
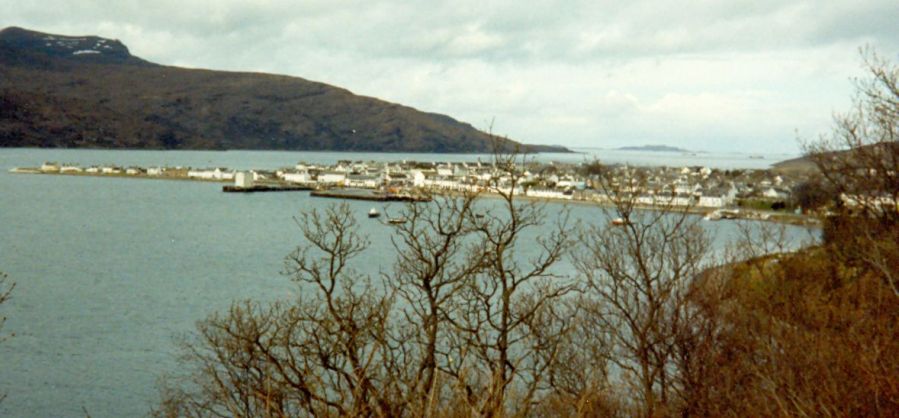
211	174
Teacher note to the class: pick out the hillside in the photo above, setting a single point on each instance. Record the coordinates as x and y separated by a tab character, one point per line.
63	91
797	166
862	155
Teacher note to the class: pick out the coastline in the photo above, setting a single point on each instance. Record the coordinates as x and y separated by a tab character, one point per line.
746	214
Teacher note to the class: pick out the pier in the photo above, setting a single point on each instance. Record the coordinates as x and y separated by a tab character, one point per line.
370	195
266	188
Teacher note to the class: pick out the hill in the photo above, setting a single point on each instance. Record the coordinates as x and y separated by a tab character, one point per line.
87	91
798	166
881	154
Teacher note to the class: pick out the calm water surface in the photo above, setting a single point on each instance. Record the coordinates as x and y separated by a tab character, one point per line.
109	270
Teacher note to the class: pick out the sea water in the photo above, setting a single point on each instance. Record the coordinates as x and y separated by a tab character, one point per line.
109	271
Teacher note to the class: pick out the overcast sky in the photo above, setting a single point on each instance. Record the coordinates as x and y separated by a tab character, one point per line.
711	75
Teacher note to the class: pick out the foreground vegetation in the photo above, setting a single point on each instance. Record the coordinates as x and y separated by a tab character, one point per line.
475	320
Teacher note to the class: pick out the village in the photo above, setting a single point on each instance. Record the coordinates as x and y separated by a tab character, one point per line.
719	193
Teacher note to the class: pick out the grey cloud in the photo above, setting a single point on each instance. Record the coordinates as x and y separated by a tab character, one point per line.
578	72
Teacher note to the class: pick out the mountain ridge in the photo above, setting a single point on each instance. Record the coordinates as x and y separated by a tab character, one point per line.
90	92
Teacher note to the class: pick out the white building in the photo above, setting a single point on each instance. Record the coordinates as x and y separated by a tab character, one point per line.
299	177
711	201
460	170
655	200
211	174
773	193
684	188
243	179
332	177
547	194
445	170
366	181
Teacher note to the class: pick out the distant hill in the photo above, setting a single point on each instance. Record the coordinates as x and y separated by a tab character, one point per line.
800	166
653	148
87	91
858	156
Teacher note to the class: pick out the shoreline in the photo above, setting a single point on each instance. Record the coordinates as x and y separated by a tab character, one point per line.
750	214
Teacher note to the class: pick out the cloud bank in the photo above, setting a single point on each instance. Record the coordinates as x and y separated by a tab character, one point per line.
723	76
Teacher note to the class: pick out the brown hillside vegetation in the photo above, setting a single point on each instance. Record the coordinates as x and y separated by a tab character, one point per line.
60	91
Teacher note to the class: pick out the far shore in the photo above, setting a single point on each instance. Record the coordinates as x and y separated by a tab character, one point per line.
746	214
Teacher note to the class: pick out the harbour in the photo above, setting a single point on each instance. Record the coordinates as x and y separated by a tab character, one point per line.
109	269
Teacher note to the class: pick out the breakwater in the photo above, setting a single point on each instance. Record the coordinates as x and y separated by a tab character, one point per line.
369	195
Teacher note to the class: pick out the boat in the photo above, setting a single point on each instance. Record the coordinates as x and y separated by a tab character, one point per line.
396	220
618	222
373	213
720	214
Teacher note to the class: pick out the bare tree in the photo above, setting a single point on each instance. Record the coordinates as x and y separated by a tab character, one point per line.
435	260
859	159
638	272
509	329
325	354
462	322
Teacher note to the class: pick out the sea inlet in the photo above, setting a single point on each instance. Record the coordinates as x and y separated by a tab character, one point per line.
111	271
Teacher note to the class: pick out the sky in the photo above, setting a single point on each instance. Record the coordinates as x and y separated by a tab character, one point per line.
749	76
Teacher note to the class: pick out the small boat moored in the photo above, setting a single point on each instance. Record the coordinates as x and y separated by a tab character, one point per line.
720	214
618	222
373	213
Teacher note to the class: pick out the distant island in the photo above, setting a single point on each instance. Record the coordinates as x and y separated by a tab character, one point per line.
653	148
90	92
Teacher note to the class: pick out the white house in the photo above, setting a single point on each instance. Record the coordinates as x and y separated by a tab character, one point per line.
363	180
460	170
332	177
211	174
299	177
711	201
243	179
445	170
49	167
547	194
154	171
686	188
655	200
775	193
